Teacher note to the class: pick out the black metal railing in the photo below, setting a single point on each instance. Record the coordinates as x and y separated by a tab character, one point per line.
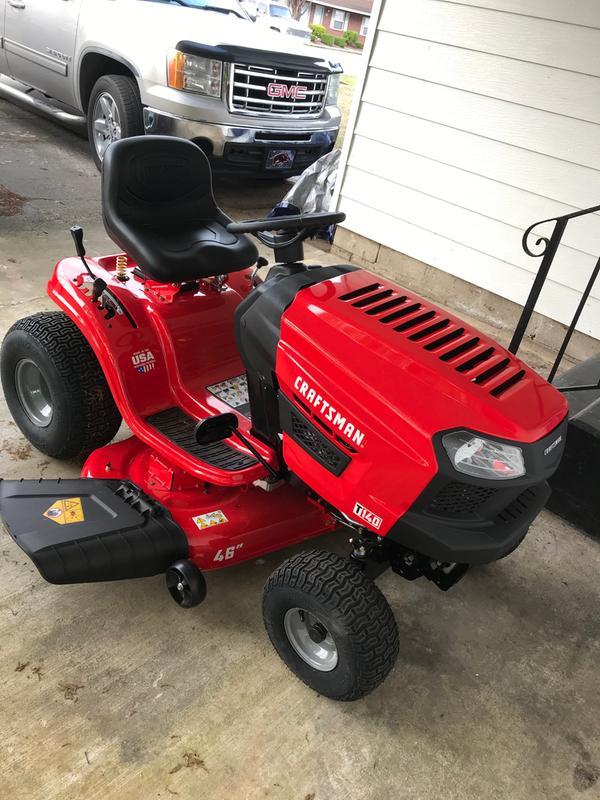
548	246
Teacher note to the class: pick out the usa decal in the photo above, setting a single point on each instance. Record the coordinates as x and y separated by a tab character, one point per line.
143	361
367	516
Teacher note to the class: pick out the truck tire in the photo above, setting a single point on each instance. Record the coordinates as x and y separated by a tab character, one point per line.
114	112
330	624
55	388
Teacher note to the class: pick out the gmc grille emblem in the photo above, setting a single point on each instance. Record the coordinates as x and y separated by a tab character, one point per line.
282	90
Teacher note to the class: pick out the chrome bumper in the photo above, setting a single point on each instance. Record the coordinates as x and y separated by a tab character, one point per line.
219	136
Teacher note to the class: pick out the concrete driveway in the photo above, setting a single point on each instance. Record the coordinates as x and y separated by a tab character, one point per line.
111	692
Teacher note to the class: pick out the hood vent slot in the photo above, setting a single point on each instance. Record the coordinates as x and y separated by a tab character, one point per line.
503	387
368	300
412	323
437	326
472	362
397	301
402	313
492	371
462	348
446	339
360	292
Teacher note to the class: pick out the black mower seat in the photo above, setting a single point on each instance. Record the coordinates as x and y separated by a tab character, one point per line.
159	208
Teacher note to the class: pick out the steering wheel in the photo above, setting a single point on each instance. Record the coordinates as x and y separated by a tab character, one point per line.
285	231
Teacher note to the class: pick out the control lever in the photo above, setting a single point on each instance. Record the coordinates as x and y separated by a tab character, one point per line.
100	290
215	429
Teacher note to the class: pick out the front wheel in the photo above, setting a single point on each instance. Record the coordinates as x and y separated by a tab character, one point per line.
114	112
330	624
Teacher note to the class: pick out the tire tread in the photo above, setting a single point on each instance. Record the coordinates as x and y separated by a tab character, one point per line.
342	587
97	416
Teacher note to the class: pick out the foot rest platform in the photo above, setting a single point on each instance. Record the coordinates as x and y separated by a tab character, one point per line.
175	425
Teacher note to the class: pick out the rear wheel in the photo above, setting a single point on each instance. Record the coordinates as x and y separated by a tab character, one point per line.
330	624
114	112
55	388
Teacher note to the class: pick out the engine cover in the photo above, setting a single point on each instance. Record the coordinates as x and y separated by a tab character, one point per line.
368	375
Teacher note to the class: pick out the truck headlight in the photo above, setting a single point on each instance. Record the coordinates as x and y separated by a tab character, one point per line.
194	73
333	90
483	458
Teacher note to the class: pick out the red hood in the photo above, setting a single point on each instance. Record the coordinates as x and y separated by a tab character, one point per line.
396	370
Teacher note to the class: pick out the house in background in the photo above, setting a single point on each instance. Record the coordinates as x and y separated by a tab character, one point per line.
338	17
475	119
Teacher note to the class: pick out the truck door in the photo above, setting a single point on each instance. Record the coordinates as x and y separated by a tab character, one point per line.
39	41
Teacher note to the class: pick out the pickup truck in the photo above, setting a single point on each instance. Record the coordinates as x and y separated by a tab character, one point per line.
253	100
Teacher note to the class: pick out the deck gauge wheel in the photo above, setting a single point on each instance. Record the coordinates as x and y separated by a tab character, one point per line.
186	584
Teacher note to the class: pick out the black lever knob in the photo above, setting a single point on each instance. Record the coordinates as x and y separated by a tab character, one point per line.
77	234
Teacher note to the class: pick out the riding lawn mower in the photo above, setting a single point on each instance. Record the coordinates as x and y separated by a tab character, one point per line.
263	414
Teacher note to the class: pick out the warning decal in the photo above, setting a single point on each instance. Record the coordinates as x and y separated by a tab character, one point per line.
234	392
211	518
64	512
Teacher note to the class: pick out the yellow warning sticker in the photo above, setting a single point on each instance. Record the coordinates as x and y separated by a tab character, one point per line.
64	512
211	518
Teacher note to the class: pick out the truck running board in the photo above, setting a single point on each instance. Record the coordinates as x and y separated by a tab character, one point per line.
83	530
31	99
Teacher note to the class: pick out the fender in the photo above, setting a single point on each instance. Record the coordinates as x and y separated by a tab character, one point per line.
96	50
143	364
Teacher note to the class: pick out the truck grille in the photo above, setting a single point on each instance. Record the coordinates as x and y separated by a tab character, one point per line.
293	91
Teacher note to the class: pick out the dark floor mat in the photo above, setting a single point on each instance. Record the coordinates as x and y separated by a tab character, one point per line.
179	428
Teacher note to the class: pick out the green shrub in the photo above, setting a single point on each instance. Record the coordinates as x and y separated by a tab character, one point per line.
327	38
339	41
318	31
351	38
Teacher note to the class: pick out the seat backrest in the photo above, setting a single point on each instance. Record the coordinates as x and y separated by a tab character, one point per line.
156	180
159	207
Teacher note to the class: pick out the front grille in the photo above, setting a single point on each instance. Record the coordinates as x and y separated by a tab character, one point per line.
459	499
297	92
521	505
304	433
453	344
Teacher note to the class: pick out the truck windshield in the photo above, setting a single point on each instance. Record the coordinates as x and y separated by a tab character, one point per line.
221	6
279	11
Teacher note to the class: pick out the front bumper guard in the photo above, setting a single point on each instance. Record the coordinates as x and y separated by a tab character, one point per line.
164	124
470	542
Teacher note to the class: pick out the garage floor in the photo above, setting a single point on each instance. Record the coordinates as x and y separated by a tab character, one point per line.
111	691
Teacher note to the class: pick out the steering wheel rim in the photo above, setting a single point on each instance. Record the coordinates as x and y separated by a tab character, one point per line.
300	223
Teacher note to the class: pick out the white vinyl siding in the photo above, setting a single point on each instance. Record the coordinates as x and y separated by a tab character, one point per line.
476	119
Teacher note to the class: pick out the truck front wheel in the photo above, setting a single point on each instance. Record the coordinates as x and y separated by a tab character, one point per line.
114	112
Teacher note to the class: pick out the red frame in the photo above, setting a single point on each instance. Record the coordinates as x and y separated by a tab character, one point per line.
191	336
393	391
